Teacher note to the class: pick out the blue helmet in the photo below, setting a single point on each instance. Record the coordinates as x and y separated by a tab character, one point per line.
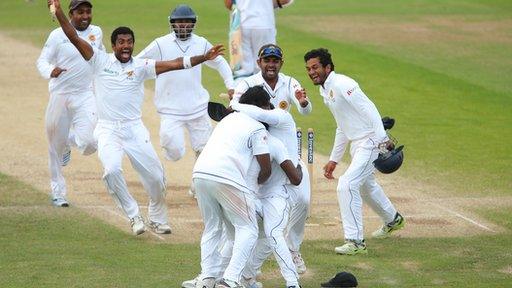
183	20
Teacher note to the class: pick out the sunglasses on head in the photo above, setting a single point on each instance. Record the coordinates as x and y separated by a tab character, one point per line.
271	51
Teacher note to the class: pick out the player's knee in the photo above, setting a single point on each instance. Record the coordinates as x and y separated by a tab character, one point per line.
113	171
345	185
174	153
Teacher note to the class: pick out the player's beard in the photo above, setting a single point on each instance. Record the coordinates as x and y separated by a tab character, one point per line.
182	33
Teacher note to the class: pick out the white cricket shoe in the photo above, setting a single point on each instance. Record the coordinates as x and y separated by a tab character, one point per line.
138	225
206	283
66	156
251	283
160	228
228	284
386	230
60	202
352	247
300	266
190	283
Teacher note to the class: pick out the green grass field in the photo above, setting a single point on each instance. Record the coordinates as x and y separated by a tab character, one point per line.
441	68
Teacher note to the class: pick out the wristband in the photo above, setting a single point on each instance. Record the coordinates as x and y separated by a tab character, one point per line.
186	62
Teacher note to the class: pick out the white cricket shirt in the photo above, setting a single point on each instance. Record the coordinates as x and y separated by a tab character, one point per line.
281	97
229	152
355	114
119	87
278	178
180	94
256	14
281	125
58	51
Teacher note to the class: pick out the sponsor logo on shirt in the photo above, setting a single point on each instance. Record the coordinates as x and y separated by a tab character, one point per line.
351	91
283	105
108	71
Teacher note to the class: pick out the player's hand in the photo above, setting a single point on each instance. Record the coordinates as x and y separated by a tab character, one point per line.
214	52
56	4
329	168
56	72
388	145
301	96
230	93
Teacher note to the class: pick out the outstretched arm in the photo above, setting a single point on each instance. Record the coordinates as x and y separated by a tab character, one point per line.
83	47
228	4
188	62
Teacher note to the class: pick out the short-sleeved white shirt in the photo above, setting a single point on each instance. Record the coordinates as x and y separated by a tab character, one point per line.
282	96
180	94
59	52
230	150
120	86
278	178
256	14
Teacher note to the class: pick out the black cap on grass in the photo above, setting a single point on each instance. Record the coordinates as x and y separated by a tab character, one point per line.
342	279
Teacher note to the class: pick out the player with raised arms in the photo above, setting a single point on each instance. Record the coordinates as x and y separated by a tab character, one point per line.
119	86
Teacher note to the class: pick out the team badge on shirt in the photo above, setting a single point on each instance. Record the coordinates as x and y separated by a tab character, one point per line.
92	38
331	95
129	75
283	105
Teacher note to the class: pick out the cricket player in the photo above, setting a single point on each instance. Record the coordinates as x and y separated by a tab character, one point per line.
180	98
275	193
284	90
71	104
224	195
359	123
258	28
119	85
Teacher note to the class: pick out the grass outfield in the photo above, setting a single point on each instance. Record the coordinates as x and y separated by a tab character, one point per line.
44	246
441	68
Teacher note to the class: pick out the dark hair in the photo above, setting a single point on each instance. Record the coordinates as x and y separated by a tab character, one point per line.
322	54
256	96
120	31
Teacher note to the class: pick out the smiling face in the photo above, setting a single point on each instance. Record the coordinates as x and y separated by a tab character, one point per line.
316	71
123	47
81	17
270	67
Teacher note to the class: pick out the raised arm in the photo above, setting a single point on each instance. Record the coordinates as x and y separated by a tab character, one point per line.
83	47
188	62
228	4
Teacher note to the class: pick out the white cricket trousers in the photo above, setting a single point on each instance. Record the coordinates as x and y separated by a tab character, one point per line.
131	137
221	204
66	111
275	212
300	198
172	138
358	182
252	40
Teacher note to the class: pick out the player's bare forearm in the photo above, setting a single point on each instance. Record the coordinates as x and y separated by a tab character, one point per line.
179	63
265	168
83	47
293	173
169	65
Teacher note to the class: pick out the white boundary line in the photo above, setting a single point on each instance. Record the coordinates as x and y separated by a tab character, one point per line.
465	218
